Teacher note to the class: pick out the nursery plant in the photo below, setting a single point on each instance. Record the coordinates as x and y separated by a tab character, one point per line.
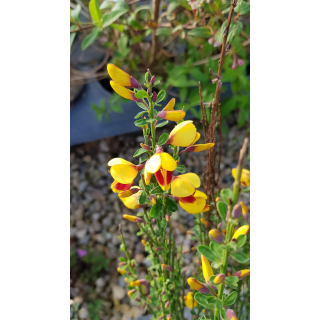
179	39
219	286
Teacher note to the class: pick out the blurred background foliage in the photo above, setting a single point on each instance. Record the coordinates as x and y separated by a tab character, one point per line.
178	40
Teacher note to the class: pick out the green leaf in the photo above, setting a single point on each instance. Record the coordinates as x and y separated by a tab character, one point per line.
184	3
231	299
216	248
223	314
241	240
143	198
157	190
141	94
122	259
240	257
75	13
162	124
155	212
243	7
200	32
139	114
225	195
161	95
245	190
72	36
138	152
134	23
216	301
89	39
171	205
141	122
163	32
222	209
234	30
207	252
163	223
180	168
95	11
232	282
202	299
142	106
142	159
157	82
163	139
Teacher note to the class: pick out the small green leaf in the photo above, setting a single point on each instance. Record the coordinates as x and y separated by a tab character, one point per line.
163	32
216	248
203	32
139	151
207	252
157	82
112	16
222	209
122	259
225	195
231	280
171	205
155	212
245	190
231	299
139	114
243	7
180	168
157	190
202	299
141	122
223	314
141	94
240	257
89	39
163	139
241	240
161	95
162	124
163	223
143	198
95	11
142	106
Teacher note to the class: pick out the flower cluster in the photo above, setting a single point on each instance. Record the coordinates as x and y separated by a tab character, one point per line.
157	193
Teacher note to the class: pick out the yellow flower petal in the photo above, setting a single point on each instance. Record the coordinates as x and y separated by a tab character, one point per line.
192	178
154	163
167	162
183	134
197	137
122	91
170	105
195	207
115	161
240	231
245	176
123	173
119	75
132	201
189	300
201	147
194	284
182	188
174	115
147	177
206	268
199	194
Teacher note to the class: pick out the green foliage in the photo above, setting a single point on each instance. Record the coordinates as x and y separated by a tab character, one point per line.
163	139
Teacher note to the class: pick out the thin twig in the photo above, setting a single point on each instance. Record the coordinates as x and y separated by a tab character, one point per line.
82	28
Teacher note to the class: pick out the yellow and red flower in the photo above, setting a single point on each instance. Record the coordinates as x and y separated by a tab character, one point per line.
185	185
124	92
206	268
170	105
130	197
245	210
123	171
242	230
245	176
231	315
162	165
195	203
242	273
132	218
119	187
184	134
199	147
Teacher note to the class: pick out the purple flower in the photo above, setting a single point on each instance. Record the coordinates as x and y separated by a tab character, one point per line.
81	253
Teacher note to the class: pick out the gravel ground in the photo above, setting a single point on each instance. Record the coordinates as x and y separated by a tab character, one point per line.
96	287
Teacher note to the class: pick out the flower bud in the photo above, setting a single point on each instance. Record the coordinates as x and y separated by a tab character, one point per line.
147	238
145	147
166	267
148	92
219	278
131	292
217	199
204	221
132	218
169	317
167	304
153	199
154	96
163	292
242	273
121	271
160	318
144	242
137	299
231	315
240	231
237	211
167	217
158	249
153	79
138	283
216	235
185	251
122	263
154	221
245	210
190	232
